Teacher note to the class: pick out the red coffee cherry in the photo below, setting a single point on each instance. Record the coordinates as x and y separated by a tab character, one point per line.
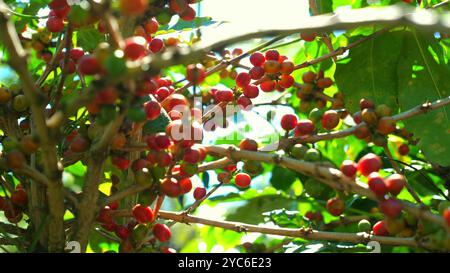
349	168
224	95
304	127
135	48
156	45
286	81
79	144
256	72
324	83
152	109
446	215
395	183
242	180
185	185
380	229
57	4
162	141
121	163
272	67
55	24
105	215
107	95
122	232
151	26
257	59
287	67
403	149
114	205
13	213
89	65
19	197
162	232
195	73
143	214
248	144
268	86
330	119
251	91
368	164
288	122
188	15
178	6
357	118
15	160
386	125
272	54
69	67
308	37
309	77
76	53
366	104
199	193
191	156
162	93
391	207
133	7
244	102
335	206
164	159
377	185
170	187
362	131
243	79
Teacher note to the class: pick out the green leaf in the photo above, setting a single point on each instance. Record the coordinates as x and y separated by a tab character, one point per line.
323	7
89	38
197	22
77	169
422	78
371	71
158	125
285	218
252	212
78	15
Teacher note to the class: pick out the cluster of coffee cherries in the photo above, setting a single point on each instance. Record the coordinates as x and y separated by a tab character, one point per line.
165	9
136	232
385	189
230	72
313	84
13	99
271	71
14	205
378	123
41	41
148	28
59	10
329	120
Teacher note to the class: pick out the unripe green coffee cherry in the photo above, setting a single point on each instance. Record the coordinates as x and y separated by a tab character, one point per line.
299	151
364	226
312	155
143	177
